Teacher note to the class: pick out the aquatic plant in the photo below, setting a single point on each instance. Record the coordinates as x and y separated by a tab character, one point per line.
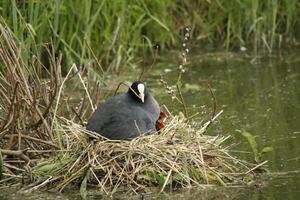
254	147
114	31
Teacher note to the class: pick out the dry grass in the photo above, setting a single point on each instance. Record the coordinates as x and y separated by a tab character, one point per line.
43	149
180	156
26	100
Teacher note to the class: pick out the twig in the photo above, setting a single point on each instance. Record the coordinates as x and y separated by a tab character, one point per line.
59	94
85	88
257	166
18	153
144	61
122	83
10	108
52	98
40	141
182	100
137	127
77	115
214	103
95	58
203	163
166	181
207	124
1	166
118	87
181	68
151	66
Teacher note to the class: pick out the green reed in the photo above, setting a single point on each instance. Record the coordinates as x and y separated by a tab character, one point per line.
115	31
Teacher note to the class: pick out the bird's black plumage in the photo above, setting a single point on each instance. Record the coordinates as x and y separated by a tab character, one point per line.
125	116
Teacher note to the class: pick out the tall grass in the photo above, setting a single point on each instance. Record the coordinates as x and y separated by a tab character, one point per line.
256	24
115	31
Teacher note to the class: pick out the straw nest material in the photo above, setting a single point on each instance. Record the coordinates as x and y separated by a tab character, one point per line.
180	156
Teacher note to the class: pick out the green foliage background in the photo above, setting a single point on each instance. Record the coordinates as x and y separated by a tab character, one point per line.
115	30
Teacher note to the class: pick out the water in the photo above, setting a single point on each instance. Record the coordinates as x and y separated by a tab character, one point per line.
258	94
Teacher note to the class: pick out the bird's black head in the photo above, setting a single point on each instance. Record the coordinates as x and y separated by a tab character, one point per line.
138	91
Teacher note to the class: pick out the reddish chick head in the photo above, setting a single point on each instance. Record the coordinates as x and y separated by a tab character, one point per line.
160	123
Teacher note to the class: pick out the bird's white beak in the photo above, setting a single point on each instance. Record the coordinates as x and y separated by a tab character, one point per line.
142	97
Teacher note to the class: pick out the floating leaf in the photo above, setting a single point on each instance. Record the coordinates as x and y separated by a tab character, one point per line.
266	150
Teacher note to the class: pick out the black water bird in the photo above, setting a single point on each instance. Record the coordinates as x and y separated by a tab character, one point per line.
126	116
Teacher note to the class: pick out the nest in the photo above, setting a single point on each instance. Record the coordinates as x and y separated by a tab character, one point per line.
40	149
179	156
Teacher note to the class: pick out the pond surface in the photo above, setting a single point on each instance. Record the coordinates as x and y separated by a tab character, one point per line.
259	94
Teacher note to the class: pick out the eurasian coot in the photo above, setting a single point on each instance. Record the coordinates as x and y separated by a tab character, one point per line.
127	115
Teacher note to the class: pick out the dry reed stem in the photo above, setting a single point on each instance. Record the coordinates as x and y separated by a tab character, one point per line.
25	104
